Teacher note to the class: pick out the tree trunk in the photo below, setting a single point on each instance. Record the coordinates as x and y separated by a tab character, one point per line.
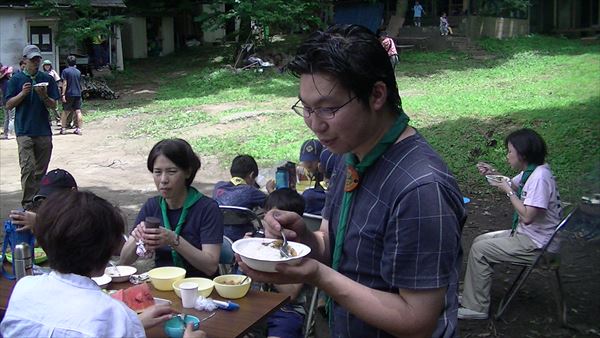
398	19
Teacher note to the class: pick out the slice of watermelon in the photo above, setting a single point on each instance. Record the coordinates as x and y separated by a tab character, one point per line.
137	297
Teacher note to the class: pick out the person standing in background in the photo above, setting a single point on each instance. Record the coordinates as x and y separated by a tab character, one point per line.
5	75
71	96
27	93
47	68
418	12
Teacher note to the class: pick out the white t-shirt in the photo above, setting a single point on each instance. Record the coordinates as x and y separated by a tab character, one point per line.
66	305
540	191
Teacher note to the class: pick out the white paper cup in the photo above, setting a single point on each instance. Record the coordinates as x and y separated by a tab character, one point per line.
189	294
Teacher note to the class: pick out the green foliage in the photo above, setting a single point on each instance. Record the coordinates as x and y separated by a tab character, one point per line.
79	21
463	106
503	8
266	15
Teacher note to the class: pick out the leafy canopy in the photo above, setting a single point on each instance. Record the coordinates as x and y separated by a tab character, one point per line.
294	15
79	20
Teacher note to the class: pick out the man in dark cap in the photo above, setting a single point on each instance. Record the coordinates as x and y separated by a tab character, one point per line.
54	181
32	93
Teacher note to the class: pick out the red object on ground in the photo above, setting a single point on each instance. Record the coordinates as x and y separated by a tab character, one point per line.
137	297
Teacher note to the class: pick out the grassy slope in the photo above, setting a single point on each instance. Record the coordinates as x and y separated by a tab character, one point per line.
463	106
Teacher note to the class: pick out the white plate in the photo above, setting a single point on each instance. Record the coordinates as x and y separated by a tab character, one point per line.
264	257
121	274
496	178
41	84
102	281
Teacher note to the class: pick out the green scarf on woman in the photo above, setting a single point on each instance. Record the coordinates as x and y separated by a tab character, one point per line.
193	195
526	173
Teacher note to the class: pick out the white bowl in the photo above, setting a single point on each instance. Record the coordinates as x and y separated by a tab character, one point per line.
121	273
102	281
496	178
263	257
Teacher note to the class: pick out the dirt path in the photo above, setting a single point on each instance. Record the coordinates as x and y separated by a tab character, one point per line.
104	161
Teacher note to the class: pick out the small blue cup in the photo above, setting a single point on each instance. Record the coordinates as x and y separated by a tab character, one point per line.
174	328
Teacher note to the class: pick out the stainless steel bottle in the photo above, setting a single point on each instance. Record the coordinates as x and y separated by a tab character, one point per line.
23	260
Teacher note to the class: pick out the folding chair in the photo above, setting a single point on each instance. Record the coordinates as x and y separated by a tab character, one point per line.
313	222
239	220
545	259
227	257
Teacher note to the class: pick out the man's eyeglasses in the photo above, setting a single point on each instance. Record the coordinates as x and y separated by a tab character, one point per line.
325	113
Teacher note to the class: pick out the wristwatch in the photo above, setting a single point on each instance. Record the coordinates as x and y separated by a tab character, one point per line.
176	242
510	193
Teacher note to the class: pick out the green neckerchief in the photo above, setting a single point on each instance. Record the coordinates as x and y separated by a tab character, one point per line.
193	196
237	181
526	173
353	164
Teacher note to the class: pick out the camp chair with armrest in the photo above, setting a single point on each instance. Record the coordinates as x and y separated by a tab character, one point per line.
313	222
234	217
545	259
227	257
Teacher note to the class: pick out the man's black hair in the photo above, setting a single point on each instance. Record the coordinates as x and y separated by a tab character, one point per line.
71	60
529	145
354	56
243	165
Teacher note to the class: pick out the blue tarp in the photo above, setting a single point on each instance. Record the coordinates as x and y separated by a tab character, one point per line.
368	15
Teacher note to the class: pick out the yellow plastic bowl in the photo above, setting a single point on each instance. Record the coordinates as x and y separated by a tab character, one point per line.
205	286
232	291
164	277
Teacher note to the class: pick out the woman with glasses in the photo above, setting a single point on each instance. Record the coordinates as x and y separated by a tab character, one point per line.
388	250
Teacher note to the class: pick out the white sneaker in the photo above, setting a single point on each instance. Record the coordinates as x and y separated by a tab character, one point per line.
464	313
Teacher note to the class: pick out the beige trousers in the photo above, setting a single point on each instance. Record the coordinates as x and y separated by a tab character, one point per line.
487	250
34	157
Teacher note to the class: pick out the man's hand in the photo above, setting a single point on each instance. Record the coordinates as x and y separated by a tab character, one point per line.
155	315
275	220
26	89
26	219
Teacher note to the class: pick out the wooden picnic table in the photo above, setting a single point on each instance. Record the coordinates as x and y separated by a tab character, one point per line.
254	307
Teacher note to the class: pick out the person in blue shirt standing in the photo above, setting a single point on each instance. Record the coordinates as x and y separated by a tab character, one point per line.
71	95
418	12
32	93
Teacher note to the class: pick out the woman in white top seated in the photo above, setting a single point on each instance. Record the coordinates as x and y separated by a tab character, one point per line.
79	232
534	196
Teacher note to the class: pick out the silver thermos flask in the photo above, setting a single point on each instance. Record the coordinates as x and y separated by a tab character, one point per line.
22	259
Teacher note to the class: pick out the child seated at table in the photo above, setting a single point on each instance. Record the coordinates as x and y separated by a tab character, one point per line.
79	232
289	319
241	191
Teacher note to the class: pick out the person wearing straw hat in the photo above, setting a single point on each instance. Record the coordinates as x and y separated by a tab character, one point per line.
32	93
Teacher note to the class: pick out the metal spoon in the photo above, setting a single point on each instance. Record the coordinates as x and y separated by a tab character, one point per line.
114	266
283	249
244	280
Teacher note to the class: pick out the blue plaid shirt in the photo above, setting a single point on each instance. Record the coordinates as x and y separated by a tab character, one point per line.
404	232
